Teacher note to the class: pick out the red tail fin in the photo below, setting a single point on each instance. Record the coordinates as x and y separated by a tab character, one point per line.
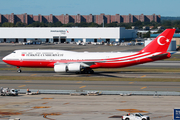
160	43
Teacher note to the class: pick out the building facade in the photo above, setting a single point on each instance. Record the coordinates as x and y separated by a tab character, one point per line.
60	34
99	19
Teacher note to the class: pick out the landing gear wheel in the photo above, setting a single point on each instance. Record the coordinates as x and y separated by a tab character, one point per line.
91	71
87	71
19	71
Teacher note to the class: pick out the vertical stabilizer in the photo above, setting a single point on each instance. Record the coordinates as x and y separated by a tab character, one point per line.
160	43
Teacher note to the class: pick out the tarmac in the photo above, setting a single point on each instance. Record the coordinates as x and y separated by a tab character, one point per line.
92	85
103	107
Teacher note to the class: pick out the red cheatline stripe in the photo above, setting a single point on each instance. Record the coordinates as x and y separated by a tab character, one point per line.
120	59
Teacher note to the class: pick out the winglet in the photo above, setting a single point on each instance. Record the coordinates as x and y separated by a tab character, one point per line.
160	43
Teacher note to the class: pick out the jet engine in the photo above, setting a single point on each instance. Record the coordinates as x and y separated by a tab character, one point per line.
73	67
60	68
76	67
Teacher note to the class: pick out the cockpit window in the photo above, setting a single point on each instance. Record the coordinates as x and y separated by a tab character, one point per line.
14	52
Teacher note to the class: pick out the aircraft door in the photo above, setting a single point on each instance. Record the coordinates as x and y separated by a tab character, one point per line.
21	58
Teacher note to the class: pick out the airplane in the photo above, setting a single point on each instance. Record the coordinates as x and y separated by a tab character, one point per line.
85	62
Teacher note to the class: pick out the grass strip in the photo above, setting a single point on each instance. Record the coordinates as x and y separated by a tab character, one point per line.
172	59
89	78
128	69
136	69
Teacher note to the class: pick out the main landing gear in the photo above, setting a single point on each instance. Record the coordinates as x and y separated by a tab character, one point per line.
87	71
19	70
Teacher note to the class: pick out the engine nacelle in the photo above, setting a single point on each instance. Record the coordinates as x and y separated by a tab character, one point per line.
60	68
73	67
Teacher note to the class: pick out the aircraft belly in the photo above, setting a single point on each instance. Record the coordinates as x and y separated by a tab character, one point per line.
37	64
29	63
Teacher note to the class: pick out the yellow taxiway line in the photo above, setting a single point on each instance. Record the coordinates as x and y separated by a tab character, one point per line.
22	86
82	87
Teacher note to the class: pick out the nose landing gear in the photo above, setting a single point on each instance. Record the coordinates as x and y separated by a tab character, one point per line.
19	70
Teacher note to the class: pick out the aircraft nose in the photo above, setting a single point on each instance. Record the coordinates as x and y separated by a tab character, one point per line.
4	58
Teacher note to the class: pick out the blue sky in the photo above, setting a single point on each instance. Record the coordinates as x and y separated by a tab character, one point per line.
95	7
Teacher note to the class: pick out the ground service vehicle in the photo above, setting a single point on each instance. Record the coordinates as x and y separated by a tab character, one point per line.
135	116
8	92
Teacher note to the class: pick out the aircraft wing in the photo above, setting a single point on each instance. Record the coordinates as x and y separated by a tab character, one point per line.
85	63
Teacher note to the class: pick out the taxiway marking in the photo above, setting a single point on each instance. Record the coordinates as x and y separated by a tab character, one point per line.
143	87
82	87
33	74
143	76
22	86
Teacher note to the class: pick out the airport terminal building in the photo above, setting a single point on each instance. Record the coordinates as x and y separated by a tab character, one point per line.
62	34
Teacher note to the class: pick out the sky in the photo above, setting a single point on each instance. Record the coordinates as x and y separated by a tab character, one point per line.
95	7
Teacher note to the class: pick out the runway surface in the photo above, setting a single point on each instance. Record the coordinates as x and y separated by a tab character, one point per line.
96	74
91	85
129	74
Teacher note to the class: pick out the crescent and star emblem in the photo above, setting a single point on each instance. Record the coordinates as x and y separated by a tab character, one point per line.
158	40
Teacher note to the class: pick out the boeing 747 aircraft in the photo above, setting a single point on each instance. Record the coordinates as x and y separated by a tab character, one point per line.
84	62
